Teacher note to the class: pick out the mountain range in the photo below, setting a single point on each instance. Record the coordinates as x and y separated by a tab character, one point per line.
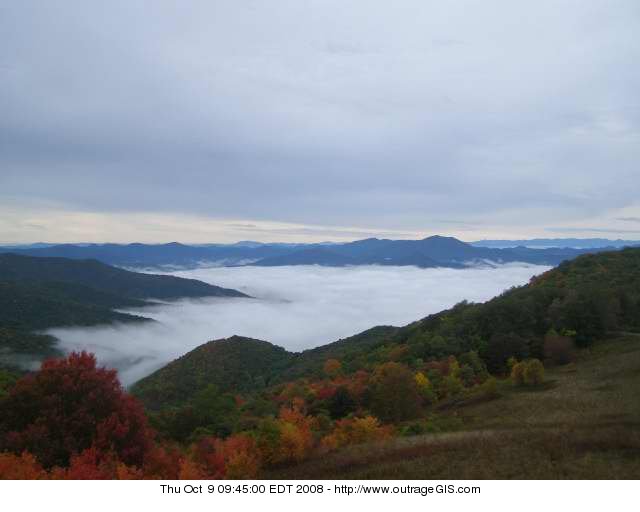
433	251
545	243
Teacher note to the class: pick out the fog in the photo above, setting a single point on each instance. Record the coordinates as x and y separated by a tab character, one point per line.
294	307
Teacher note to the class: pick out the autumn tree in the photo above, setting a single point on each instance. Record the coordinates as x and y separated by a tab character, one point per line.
395	395
20	467
332	367
355	431
517	373
533	373
425	388
69	406
285	439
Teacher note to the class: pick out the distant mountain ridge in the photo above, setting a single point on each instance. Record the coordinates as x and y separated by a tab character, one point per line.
433	251
103	277
557	243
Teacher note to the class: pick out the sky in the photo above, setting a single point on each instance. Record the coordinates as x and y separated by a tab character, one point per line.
294	307
218	121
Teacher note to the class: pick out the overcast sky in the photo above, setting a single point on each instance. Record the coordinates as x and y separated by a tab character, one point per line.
205	121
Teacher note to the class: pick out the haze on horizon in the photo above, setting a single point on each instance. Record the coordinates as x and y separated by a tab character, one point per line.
323	120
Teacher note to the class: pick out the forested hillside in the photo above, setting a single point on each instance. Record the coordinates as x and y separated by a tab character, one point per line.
40	293
106	278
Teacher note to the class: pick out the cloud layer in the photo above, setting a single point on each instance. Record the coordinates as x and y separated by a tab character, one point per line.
296	307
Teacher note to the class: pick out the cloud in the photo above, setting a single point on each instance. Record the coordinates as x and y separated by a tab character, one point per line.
297	308
357	114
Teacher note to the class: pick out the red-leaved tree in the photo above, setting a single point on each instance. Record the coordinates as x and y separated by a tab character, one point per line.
69	406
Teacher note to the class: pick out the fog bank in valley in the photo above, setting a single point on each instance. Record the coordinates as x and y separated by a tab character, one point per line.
294	307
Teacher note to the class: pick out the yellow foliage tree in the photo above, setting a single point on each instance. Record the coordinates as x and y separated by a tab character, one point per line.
534	373
517	373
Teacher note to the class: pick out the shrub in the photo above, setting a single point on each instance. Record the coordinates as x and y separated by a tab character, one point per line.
489	388
558	349
467	375
534	373
517	373
355	431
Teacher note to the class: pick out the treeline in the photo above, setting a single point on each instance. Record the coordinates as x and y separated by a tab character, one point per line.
582	299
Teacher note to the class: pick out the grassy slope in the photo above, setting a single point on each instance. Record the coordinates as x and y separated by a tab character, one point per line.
585	423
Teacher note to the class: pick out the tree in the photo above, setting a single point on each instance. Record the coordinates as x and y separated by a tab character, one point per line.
395	394
558	349
215	412
453	385
473	360
332	367
425	388
285	439
503	346
20	467
7	380
69	406
341	403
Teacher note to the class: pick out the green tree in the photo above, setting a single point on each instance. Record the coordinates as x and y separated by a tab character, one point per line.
341	403
395	394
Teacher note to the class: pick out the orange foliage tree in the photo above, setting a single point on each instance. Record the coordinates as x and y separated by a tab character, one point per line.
332	367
